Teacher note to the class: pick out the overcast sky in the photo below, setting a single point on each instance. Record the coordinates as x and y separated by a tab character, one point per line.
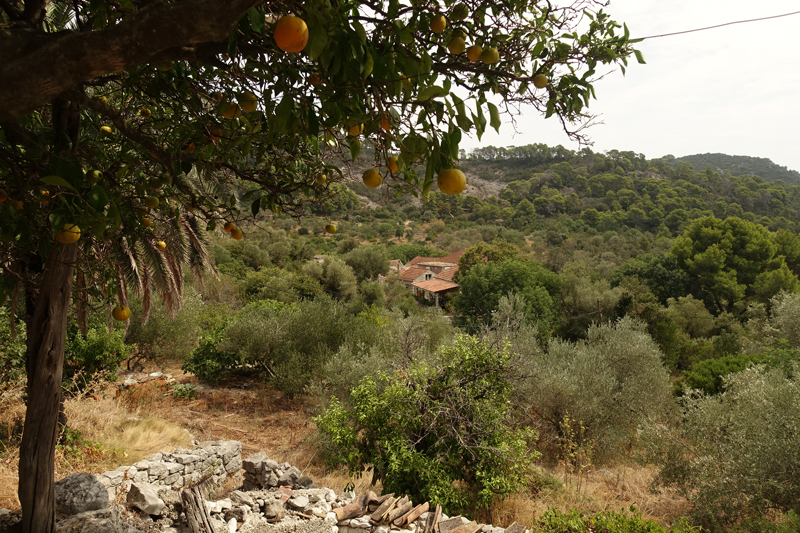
734	90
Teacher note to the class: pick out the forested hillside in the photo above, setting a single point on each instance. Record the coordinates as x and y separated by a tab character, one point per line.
609	306
739	165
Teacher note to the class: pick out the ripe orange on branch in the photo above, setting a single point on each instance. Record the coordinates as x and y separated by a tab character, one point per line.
438	24
372	178
291	34
451	181
69	233
474	53
121	313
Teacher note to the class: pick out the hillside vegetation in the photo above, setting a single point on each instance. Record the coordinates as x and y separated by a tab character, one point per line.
611	308
740	165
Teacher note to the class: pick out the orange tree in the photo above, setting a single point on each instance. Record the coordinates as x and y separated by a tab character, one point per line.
143	124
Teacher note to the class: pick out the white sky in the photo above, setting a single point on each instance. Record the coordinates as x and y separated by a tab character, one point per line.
733	90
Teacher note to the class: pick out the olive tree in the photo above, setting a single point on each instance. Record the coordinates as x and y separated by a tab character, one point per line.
124	123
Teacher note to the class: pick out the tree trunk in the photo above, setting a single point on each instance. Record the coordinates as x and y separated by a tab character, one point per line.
45	354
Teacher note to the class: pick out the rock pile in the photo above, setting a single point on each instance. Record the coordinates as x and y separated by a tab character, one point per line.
179	468
261	472
274	498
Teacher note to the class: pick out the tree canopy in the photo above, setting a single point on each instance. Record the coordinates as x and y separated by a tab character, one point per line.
733	262
130	127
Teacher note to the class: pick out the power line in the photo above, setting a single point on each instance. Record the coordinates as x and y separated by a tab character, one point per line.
719	26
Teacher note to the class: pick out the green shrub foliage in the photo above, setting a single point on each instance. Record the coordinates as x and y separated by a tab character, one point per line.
98	353
736	454
608	384
428	425
555	521
12	350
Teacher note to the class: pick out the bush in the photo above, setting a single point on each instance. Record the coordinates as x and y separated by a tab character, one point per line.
555	521
163	336
436	432
208	362
735	455
287	342
608	384
12	351
98	354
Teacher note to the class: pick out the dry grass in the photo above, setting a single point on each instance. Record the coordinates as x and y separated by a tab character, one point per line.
148	418
613	488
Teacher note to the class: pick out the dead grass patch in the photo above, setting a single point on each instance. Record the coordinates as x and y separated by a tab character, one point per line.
613	488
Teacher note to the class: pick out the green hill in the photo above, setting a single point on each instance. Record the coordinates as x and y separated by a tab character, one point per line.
739	165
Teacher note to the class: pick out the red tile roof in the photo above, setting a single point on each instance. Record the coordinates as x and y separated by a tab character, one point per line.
420	259
412	273
447	274
435	285
453	257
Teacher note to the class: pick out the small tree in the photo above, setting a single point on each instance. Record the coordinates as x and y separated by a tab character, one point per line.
427	426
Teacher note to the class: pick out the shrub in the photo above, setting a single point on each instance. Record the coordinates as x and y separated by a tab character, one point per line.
608	384
735	455
12	350
208	362
555	521
287	342
99	353
425	427
163	336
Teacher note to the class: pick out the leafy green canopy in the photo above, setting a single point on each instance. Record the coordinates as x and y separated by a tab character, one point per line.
733	262
121	102
486	283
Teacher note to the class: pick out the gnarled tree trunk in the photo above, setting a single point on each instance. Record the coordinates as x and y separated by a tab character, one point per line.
47	333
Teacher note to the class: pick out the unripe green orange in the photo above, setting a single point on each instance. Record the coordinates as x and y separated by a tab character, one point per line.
456	45
490	56
248	101
438	24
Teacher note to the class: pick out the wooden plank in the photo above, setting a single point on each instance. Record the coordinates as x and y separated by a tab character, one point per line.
412	515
